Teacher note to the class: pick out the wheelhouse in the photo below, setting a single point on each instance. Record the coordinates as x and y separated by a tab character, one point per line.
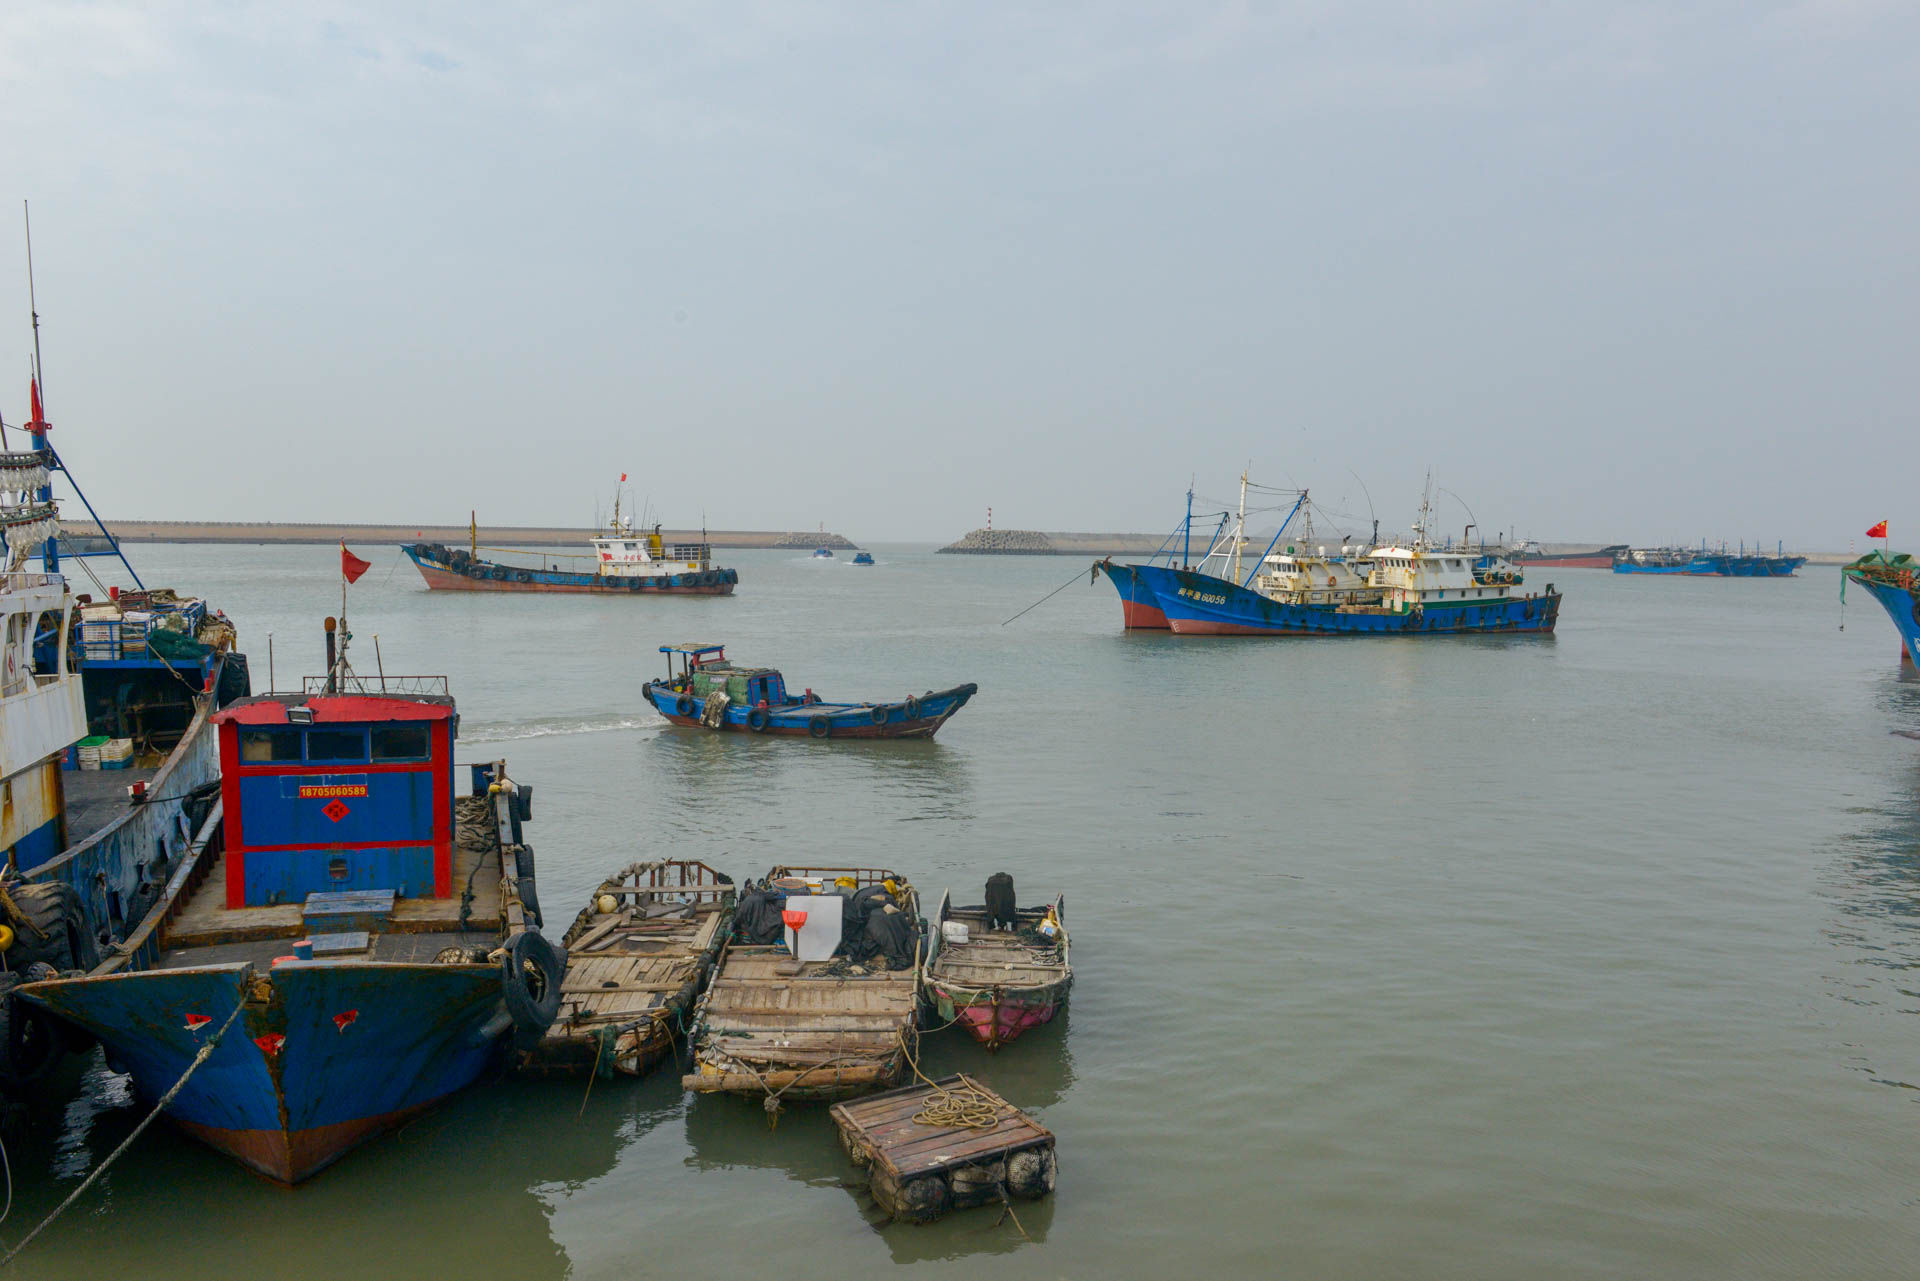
331	792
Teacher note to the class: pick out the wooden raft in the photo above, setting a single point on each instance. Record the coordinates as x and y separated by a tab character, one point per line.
918	1172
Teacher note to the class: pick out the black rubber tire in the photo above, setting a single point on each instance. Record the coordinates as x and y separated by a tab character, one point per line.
912	706
530	900
235	680
530	976
30	1043
878	715
820	727
683	705
757	719
523	801
522	576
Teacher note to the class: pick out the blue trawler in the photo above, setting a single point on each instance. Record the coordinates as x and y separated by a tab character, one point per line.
707	690
1706	564
1889	578
1414	589
344	942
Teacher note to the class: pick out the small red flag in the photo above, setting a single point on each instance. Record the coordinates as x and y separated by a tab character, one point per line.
38	415
352	566
1878	531
623	477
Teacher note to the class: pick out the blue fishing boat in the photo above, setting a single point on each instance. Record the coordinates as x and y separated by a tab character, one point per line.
1703	563
708	691
1413	589
108	762
1889	578
344	943
823	553
863	558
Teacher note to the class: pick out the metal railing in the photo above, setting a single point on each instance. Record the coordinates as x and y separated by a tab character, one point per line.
355	683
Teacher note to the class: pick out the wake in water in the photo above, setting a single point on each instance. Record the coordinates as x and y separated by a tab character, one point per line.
547	726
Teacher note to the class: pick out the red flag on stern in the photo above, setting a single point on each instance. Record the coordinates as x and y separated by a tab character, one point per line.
351	566
1878	531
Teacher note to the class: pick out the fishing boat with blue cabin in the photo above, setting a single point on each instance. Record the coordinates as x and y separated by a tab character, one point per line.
1702	563
350	937
706	690
1889	577
863	558
1395	589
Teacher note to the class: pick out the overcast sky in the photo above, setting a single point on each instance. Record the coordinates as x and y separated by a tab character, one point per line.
1613	271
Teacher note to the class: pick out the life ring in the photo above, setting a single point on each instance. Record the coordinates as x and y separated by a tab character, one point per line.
878	715
819	727
530	974
683	705
757	719
912	707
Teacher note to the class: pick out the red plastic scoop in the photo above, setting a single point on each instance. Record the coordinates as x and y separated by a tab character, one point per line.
793	917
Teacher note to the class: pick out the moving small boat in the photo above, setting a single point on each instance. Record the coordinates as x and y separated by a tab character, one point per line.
840	1023
1890	578
997	969
823	553
638	957
343	944
863	558
623	562
709	691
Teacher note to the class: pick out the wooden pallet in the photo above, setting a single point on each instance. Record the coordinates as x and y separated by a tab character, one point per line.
918	1172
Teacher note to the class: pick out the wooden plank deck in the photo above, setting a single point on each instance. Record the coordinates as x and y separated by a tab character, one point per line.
205	918
918	1171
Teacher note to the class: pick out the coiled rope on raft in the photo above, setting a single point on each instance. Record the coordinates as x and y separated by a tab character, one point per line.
206	1052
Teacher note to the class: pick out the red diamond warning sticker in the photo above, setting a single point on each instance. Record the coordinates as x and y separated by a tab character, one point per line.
335	809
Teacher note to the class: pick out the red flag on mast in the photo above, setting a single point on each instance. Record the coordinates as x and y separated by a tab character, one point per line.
1878	531
36	416
351	566
623	477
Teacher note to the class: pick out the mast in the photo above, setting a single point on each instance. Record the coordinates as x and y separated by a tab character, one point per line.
1240	527
473	532
37	427
1186	550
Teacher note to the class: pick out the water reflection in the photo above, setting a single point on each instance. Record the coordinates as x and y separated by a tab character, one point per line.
1873	881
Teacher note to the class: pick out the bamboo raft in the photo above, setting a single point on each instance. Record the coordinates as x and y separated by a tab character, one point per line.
635	971
945	1145
775	1028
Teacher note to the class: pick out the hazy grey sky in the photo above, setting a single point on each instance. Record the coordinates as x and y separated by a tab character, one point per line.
1614	270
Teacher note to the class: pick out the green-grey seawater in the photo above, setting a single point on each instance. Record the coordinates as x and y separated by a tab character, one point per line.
1581	956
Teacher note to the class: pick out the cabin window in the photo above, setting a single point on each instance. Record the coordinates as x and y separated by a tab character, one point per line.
259	746
336	745
400	743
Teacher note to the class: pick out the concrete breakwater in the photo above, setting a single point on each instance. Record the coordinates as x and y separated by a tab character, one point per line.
225	531
1032	542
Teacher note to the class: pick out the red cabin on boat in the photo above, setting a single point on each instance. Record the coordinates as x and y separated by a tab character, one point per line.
330	792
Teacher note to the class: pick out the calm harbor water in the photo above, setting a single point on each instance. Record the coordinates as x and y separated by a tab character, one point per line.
1583	956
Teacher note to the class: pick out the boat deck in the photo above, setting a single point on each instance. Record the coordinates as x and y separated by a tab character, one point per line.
996	958
204	919
97	798
816	1029
407	947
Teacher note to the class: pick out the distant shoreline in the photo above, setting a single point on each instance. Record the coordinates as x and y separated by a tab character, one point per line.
228	531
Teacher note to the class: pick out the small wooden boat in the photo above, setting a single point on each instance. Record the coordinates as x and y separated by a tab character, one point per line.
711	692
639	955
1006	977
779	1029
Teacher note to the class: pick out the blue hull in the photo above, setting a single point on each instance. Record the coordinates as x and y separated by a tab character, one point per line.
1202	605
1902	607
324	1055
910	718
1713	565
1139	608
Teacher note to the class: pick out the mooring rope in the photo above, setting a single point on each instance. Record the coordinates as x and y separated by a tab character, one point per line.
1049	596
206	1052
967	1108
